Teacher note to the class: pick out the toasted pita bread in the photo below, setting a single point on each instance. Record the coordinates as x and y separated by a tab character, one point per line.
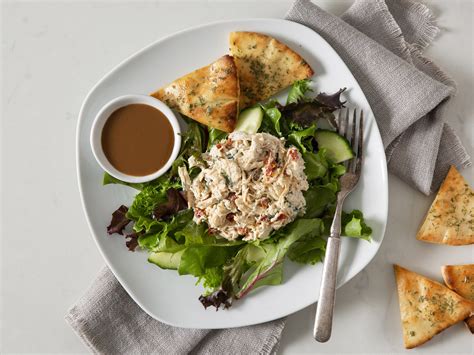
427	307
450	219
460	278
265	66
209	95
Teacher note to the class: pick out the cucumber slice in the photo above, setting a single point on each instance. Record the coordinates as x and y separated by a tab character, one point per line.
249	120
166	260
338	148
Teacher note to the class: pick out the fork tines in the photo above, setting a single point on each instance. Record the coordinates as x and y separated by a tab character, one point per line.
348	129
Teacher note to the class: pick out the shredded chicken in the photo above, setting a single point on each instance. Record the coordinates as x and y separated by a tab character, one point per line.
249	185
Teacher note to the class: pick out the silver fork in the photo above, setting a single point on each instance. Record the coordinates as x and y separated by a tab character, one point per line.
327	293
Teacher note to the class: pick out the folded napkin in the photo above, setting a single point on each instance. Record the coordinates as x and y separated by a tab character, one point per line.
381	42
110	322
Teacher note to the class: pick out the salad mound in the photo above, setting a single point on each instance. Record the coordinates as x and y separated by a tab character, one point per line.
166	218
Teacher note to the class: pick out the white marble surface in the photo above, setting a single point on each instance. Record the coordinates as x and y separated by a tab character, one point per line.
52	54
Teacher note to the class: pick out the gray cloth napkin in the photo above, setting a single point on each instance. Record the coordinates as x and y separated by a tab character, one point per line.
109	322
381	42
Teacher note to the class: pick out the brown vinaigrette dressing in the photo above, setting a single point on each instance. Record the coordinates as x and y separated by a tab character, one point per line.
137	139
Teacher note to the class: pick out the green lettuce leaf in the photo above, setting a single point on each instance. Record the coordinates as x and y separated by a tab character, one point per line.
193	143
308	250
193	234
354	225
146	224
316	164
274	115
211	278
318	199
168	244
145	202
196	259
298	91
337	170
150	241
109	179
162	231
331	179
215	136
271	122
303	139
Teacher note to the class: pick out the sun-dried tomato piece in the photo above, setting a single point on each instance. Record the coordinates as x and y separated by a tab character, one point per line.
242	230
199	213
270	167
293	153
264	202
213	231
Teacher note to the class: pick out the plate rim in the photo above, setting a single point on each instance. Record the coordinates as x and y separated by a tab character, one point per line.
109	73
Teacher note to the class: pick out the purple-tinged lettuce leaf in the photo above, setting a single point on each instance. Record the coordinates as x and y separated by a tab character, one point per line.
307	113
119	220
257	265
131	240
219	298
118	224
332	101
266	268
175	202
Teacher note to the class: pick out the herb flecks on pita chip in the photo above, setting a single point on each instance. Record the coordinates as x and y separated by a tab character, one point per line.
209	95
450	219
460	278
427	307
265	66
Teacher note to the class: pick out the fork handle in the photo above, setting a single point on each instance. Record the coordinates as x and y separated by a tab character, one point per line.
327	293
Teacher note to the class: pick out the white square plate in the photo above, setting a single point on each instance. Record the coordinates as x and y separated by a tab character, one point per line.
163	294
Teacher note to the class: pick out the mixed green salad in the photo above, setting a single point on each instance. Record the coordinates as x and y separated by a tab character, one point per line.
162	224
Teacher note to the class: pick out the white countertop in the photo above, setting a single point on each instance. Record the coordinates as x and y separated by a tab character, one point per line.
52	54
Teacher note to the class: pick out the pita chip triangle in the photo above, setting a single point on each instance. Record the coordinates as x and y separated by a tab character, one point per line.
427	307
450	219
265	66
209	95
460	278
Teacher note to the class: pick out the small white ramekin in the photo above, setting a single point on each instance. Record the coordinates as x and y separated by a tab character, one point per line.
104	114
